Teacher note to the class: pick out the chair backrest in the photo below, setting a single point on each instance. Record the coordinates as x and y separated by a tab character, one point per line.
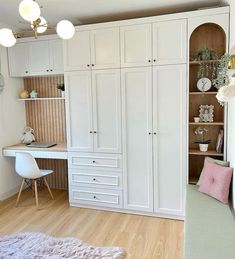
26	166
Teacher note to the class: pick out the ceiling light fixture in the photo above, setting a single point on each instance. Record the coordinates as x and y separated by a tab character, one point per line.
30	11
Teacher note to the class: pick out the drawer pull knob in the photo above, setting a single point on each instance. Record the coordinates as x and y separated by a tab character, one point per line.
94	197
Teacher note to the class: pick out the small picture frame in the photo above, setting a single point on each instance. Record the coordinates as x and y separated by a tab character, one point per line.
220	141
206	113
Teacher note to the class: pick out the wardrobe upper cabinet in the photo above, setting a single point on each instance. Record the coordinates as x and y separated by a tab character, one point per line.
39	57
19	60
56	56
96	49
36	57
77	52
169	42
136	45
105	48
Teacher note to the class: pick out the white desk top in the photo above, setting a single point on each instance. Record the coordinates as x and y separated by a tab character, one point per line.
56	152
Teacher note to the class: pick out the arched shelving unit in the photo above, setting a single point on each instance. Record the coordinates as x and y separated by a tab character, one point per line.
212	36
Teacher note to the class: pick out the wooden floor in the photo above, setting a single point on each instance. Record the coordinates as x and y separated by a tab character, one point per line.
140	236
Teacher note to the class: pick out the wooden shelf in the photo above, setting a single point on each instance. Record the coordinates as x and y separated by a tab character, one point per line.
207	153
203	93
203	61
218	123
42	99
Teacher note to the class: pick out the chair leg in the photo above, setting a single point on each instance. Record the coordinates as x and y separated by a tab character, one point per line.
36	192
20	191
49	190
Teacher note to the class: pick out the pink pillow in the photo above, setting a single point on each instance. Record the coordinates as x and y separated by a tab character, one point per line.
216	181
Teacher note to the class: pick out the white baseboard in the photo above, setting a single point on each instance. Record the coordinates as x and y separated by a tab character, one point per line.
5	195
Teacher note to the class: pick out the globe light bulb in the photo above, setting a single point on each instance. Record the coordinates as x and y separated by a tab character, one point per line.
65	29
29	10
7	38
42	26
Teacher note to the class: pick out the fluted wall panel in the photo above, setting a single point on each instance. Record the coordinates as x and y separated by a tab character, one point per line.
47	118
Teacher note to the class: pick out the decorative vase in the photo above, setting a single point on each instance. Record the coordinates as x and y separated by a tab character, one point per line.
62	94
203	147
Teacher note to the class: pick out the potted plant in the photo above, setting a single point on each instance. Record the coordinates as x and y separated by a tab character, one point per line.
61	88
206	69
203	143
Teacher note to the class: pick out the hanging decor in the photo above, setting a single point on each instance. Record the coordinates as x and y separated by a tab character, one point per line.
30	11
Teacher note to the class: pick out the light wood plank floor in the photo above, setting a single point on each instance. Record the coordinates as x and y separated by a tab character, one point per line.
140	236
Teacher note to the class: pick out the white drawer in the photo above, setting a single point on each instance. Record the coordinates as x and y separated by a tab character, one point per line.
95	196
98	179
95	161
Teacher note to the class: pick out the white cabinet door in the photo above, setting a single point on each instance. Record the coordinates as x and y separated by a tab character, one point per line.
105	48
19	60
77	52
79	111
169	124
169	42
137	138
39	57
107	110
56	57
136	45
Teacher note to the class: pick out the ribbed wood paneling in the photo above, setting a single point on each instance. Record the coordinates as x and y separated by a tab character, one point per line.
47	118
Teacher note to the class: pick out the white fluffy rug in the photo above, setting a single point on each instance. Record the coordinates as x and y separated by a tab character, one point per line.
38	245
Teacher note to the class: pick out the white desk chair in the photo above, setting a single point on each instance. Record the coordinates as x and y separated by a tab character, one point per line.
26	166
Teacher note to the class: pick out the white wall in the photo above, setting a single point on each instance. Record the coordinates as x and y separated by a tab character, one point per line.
12	122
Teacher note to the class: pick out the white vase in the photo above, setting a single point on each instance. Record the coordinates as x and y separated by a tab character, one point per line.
62	94
203	147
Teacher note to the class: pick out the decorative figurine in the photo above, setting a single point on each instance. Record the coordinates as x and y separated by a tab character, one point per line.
33	94
28	136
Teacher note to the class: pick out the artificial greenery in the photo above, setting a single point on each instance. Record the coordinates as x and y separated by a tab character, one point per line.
222	77
206	54
207	69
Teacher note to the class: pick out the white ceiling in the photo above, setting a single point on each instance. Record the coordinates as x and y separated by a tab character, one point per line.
90	11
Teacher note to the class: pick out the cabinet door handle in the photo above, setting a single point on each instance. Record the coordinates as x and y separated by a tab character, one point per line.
93	161
47	70
150	133
94	197
154	60
94	179
95	132
149	60
91	132
88	65
26	72
93	65
155	133
51	70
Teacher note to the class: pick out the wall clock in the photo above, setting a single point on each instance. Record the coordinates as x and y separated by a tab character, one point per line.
204	84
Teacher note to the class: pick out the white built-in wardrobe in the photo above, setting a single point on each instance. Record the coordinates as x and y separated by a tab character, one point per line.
126	104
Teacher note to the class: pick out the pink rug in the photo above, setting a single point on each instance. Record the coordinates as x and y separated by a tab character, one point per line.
38	245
